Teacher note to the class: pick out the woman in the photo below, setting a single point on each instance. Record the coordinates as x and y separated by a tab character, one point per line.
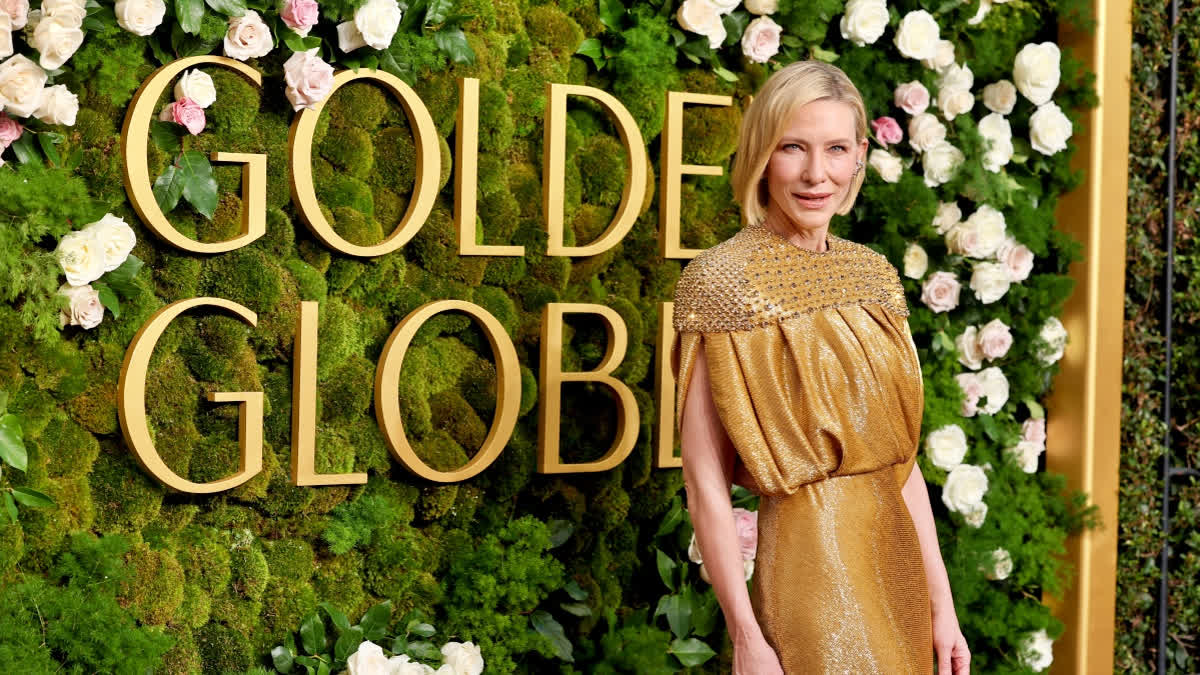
799	379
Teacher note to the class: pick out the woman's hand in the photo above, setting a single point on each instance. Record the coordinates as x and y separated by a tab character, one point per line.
951	647
754	656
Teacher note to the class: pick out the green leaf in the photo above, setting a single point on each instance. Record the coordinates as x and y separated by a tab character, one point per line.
791	41
691	652
560	531
576	608
437	11
166	136
678	37
426	651
3	402
281	658
725	74
705	610
1036	411
189	13
12	443
735	25
374	623
228	7
340	622
453	43
576	591
299	44
678	610
108	298
160	54
323	669
25	151
33	498
47	140
312	634
121	279
347	643
388	62
672	520
666	568
548	627
990	427
168	188
421	628
824	55
611	12
399	645
199	186
414	12
10	506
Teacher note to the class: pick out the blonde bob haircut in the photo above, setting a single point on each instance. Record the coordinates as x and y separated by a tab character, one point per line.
791	87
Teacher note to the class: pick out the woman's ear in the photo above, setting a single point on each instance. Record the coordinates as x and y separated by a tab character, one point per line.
862	149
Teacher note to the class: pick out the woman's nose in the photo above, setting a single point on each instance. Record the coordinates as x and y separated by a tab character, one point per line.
813	170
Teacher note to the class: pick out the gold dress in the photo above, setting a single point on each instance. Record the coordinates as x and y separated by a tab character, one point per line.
816	381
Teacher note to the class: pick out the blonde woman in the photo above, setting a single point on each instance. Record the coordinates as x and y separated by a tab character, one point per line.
799	379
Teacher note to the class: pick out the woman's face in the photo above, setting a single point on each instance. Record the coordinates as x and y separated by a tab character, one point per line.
812	167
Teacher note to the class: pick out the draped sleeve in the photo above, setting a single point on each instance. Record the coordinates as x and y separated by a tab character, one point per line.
811	364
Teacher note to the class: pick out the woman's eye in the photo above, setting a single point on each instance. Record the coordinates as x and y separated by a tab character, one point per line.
791	146
839	148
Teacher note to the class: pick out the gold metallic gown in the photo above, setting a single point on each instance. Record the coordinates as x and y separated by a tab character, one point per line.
816	381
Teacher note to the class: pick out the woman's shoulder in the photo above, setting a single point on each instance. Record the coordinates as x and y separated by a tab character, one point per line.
711	292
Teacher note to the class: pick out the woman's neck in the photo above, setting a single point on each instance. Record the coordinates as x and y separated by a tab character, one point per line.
814	239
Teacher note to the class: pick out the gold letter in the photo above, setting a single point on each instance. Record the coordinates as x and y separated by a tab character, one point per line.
134	137
387	382
549	409
673	168
131	396
466	173
664	390
428	160
554	178
304	407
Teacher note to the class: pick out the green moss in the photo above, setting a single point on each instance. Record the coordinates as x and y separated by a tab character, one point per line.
398	570
223	649
71	450
177	276
603	163
126	499
340	337
711	131
435	247
358	104
458	419
339	581
350	150
246	276
550	27
347	394
235	114
342	190
496	126
309	282
154	589
395	160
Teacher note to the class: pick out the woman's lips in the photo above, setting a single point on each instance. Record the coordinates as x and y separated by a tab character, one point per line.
812	202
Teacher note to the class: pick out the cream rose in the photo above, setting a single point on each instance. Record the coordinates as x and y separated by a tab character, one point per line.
116	239
1049	129
349	38
198	86
943	56
760	40
941	162
6	43
81	256
956	77
21	85
916	261
248	37
59	106
703	18
464	657
990	282
955	102
925	131
1037	650
888	165
940	291
1054	335
377	22
1001	565
72	12
995	389
997	133
83	307
969	353
995	339
948	215
1016	258
980	235
1026	455
975	514
140	17
1000	97
402	665
368	660
694	551
946	446
724	7
911	97
17	11
762	7
917	35
1036	71
864	21
965	486
972	390
308	79
56	39
985	6
1034	430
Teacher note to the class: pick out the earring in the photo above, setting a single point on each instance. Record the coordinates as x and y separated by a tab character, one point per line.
857	167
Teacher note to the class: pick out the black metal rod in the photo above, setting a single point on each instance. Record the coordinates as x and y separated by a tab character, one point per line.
1168	320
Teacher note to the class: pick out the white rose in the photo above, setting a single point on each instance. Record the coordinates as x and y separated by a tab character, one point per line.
955	102
402	665
59	106
956	77
948	215
1000	97
198	86
917	35
1037	650
864	21
349	38
1049	129
990	282
1054	334
1001	565
6	43
1016	258
997	133
694	551
995	389
463	657
995	339
762	7
1026	454
940	162
888	165
1036	71
81	256
968	348
916	261
946	446
140	17
940	291
724	7
368	660
980	235
703	18
83	309
56	39
17	11
377	22
248	37
72	12
985	6
760	40
748	568
21	85
943	56
965	486
116	238
925	131
972	389
975	514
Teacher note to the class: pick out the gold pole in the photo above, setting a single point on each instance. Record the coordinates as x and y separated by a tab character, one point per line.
1084	418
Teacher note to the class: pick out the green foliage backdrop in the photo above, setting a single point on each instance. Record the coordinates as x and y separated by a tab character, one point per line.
189	583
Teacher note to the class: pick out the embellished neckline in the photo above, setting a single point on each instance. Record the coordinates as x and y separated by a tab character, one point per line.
833	243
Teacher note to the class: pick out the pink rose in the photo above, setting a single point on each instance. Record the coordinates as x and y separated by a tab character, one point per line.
746	523
17	11
84	308
1034	431
1016	258
912	97
887	131
10	131
995	339
760	40
972	389
940	291
187	112
299	15
308	79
